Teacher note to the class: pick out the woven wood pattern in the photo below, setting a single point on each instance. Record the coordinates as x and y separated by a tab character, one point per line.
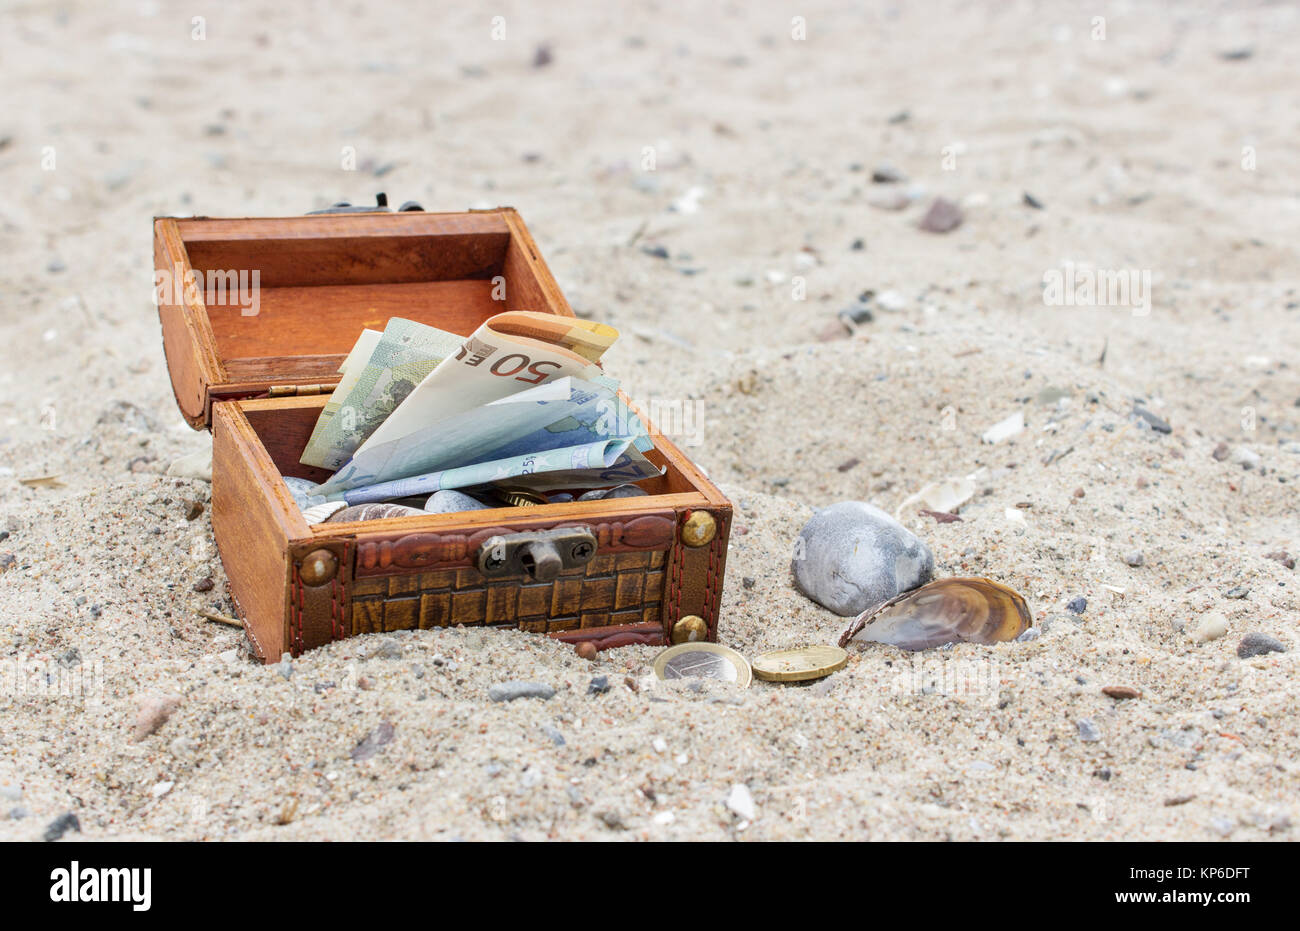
618	588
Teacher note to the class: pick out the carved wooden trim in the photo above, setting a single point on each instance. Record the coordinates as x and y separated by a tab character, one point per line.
418	552
607	638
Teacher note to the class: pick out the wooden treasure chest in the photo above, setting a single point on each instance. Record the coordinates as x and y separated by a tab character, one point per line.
257	318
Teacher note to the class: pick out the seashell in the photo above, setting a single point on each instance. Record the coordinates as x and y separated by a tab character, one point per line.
945	611
852	556
320	513
372	512
945	496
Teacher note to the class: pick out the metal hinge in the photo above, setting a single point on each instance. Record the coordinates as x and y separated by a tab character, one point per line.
287	391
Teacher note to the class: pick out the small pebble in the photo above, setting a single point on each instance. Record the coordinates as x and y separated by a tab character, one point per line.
1154	421
1221	452
1135	558
1033	633
371	744
599	685
1088	732
1209	626
740	802
1257	644
509	691
152	713
1077	605
553	733
942	217
1237	592
1121	692
587	650
1246	458
285	666
886	173
204	585
1283	557
62	825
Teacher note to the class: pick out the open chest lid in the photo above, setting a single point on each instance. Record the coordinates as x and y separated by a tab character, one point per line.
264	307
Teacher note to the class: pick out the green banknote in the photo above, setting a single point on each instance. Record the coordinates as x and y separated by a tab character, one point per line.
405	353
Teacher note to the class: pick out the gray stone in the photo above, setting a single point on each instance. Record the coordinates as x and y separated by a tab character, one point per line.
1135	558
851	556
1088	732
62	825
598	686
451	502
1257	644
1152	420
509	691
942	217
1077	605
554	734
1033	633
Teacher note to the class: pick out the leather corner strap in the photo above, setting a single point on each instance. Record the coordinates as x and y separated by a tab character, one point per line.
696	574
319	579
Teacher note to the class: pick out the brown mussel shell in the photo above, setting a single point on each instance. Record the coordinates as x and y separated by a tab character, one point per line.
973	610
372	512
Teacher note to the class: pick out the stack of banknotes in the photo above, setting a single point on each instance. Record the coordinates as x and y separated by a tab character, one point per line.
521	403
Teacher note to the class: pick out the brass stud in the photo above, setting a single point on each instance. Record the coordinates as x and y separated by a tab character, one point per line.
699	528
319	567
689	629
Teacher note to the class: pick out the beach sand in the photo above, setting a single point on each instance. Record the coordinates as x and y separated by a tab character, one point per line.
1165	148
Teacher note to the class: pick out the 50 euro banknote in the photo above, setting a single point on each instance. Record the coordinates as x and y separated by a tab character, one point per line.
565	413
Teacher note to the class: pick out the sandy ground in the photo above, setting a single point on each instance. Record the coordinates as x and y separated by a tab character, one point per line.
1152	149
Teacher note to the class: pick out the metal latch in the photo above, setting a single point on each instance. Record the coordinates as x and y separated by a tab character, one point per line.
538	554
286	391
381	206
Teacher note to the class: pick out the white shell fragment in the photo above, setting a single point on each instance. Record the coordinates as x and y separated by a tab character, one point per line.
1005	429
319	513
946	496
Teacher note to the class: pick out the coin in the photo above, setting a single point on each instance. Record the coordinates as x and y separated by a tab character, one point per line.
812	662
703	661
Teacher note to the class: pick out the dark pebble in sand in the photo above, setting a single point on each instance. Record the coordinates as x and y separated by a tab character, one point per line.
1257	644
1283	557
62	825
1077	605
1154	421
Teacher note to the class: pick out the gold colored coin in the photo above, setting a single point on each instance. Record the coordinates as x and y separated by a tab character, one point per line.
703	661
812	662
